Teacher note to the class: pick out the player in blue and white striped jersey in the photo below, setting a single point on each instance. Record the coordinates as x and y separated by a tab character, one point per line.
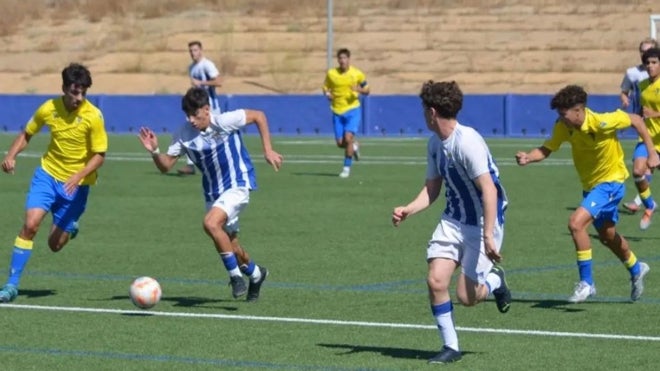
203	73
471	229
214	143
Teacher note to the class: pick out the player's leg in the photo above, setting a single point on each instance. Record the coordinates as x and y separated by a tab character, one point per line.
479	277
353	126
339	126
606	226
40	198
220	221
257	273
578	224
67	211
442	256
640	170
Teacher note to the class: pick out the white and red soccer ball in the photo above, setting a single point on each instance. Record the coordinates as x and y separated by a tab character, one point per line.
145	292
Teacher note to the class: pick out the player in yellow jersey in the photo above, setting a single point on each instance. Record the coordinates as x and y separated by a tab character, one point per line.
598	159
60	185
343	86
650	101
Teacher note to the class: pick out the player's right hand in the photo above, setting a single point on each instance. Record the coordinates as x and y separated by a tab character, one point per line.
398	215
148	138
522	159
8	165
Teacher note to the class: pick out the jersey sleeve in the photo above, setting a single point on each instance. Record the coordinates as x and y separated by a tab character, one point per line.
626	83
559	135
175	148
475	160
327	83
362	79
611	121
211	70
98	136
37	121
229	121
432	159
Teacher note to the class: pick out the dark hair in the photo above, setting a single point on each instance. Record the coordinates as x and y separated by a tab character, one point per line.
194	99
651	53
77	74
343	51
195	42
445	97
569	97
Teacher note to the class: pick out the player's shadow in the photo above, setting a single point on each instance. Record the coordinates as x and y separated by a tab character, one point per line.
565	305
386	351
314	173
36	293
594	236
189	302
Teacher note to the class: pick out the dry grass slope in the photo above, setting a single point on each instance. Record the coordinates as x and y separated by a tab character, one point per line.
272	46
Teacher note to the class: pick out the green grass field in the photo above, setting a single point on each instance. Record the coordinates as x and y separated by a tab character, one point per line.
347	290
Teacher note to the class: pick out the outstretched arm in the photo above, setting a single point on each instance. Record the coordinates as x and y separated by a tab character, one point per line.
426	197
20	142
535	155
259	118
149	140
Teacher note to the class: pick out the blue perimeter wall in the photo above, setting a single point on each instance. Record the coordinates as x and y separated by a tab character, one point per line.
497	115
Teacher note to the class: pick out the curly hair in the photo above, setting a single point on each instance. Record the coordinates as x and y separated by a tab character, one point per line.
568	97
650	53
445	97
76	74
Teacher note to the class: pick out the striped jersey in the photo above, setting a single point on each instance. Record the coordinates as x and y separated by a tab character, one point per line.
630	83
459	160
205	70
218	152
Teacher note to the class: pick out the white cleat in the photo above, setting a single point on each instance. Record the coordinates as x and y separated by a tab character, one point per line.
582	291
345	173
638	282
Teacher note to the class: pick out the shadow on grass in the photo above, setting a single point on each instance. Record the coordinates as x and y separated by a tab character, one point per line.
188	302
564	305
335	175
389	352
36	293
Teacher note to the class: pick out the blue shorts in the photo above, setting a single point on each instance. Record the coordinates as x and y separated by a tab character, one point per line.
47	193
640	151
347	122
602	202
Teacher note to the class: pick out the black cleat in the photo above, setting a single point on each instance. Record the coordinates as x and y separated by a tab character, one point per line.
446	355
255	287
238	288
502	294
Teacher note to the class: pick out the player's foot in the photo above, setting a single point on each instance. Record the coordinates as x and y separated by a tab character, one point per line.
632	207
356	151
638	282
255	287
186	170
646	218
582	291
502	294
238	287
75	231
345	173
8	293
446	355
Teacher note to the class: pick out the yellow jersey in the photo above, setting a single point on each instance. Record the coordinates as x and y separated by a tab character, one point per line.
340	85
74	137
597	152
650	97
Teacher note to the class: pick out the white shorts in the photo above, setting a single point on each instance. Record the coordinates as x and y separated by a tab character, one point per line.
232	202
463	244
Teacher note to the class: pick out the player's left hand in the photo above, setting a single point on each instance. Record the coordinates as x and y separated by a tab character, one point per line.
274	159
71	184
491	251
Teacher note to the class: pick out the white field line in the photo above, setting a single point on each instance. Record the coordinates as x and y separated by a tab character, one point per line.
328	322
326	159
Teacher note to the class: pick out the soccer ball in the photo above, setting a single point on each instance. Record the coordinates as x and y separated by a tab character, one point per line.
145	292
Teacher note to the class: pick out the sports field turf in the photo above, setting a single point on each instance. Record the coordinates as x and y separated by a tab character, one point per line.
347	290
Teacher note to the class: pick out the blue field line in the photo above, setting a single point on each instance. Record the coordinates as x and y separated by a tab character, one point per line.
172	359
